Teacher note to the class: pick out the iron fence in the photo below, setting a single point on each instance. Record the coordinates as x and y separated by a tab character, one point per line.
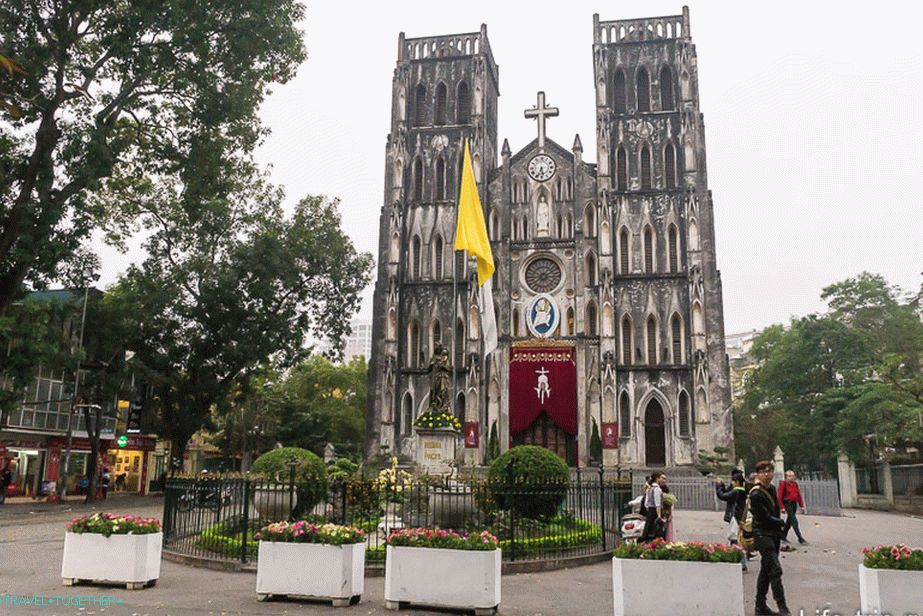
907	480
869	480
218	518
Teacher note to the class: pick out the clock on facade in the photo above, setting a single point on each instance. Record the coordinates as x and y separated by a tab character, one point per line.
541	168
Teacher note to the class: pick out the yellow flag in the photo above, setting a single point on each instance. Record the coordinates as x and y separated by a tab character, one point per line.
471	232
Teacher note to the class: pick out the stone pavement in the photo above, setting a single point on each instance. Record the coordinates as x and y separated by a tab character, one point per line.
820	575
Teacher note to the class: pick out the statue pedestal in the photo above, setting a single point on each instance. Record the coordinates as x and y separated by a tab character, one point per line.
435	451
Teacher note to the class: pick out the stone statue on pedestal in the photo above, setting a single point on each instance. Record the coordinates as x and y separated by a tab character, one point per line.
439	369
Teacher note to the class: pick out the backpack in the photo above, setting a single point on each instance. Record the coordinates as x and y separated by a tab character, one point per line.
745	528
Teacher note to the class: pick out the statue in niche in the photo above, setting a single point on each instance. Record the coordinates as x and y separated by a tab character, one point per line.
543	217
439	379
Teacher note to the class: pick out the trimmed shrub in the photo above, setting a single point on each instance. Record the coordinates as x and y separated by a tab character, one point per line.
529	481
310	474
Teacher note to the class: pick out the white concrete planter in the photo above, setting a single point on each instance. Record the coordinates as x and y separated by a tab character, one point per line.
133	560
460	579
667	587
888	591
315	570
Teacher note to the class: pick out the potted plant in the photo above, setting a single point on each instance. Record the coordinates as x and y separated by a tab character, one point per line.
891	580
304	559
704	578
115	549
419	561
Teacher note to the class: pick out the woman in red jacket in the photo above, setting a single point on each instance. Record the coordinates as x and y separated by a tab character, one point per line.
789	500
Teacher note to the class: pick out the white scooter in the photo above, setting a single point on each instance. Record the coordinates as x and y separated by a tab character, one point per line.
633	523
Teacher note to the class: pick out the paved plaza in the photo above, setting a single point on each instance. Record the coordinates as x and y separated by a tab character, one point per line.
818	576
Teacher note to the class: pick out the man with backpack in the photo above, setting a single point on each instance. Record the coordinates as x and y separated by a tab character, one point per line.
736	498
763	504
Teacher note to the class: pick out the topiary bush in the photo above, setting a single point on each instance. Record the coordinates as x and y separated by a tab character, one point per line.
310	474
529	481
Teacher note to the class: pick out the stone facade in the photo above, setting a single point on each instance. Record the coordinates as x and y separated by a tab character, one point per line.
624	250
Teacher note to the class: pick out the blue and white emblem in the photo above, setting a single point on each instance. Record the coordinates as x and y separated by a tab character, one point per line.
543	316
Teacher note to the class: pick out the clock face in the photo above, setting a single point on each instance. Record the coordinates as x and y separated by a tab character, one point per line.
541	168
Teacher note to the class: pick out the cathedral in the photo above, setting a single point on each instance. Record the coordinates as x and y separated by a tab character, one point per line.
607	294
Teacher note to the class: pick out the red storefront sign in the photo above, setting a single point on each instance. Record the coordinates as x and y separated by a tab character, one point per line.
543	378
610	435
140	443
472	434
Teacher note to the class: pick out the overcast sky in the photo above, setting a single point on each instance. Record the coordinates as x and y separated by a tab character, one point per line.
813	126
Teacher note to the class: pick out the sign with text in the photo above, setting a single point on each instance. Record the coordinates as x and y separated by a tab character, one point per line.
610	435
133	423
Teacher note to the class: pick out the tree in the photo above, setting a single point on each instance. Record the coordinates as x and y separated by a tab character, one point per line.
324	403
225	294
123	91
251	420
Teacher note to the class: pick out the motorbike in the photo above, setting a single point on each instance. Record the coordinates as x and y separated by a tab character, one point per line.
213	498
633	523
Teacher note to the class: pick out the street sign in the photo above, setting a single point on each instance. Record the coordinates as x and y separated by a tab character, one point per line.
122	441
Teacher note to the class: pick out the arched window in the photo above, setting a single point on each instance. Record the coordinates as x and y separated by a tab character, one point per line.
569	226
419	105
570	321
437	258
392	324
407	413
684	414
676	333
590	270
621	169
413	344
514	328
589	219
459	343
674	249
440	104
494	225
693	235
440	179
592	320
395	247
624	262
524	234
624	415
626	341
415	257
648	250
618	92
645	168
644	90
463	104
418	180
651	341
437	332
669	166
666	89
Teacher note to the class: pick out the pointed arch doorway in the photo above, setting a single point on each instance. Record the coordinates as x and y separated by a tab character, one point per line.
655	445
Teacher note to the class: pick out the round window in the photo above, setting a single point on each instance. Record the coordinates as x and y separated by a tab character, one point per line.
543	275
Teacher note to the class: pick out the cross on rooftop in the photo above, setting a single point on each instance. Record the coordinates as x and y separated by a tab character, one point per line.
540	112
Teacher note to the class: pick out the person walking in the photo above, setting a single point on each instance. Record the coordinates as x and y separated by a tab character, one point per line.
736	498
790	499
655	525
105	482
767	536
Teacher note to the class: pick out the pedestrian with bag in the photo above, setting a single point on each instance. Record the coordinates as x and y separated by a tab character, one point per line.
790	499
763	504
734	512
655	525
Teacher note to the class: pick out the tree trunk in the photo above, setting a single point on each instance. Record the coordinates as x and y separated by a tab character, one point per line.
92	419
245	460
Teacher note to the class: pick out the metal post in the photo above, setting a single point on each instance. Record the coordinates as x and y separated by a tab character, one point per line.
246	525
602	505
70	413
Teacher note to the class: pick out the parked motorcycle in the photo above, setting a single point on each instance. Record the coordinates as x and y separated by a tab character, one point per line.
212	499
633	523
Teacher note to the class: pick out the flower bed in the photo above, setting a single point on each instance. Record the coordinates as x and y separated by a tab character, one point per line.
704	579
431	420
693	551
419	560
114	549
309	560
561	536
891	580
442	539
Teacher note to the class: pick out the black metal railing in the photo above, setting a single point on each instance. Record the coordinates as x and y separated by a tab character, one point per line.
217	518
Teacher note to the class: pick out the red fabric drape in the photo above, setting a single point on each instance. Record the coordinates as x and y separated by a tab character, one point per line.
543	379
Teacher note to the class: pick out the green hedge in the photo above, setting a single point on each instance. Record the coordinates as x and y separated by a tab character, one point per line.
224	538
571	534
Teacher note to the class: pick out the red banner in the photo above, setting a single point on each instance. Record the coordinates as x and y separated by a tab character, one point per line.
610	435
472	434
543	379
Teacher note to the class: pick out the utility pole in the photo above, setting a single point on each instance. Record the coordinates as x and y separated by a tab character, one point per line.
70	413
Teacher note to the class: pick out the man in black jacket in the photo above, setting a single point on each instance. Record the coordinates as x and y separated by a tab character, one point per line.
767	536
736	498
